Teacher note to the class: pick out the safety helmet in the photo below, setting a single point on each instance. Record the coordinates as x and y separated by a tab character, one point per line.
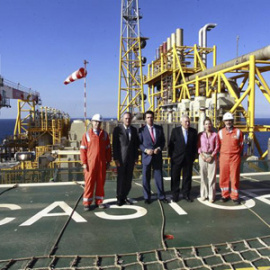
97	117
227	116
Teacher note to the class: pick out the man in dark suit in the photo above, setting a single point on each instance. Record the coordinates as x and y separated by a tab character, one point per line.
182	150
152	142
125	155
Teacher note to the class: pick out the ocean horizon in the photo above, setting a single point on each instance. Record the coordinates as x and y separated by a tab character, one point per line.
7	129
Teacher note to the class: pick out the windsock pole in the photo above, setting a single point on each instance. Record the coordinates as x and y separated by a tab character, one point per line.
79	74
85	63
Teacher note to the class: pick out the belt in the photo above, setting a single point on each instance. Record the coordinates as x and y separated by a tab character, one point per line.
208	153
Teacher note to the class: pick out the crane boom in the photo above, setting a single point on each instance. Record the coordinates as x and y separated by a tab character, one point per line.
10	90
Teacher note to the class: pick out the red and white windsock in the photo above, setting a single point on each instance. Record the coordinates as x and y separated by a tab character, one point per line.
78	74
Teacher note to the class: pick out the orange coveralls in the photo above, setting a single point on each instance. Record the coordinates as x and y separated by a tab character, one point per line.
95	153
231	146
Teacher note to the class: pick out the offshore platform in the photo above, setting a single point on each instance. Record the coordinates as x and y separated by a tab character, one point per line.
180	80
43	225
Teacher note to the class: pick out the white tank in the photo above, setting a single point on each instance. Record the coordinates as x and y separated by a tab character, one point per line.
224	101
168	44
191	107
172	39
77	130
198	103
184	106
208	106
179	37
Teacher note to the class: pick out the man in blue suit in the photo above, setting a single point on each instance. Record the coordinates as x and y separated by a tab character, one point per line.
152	142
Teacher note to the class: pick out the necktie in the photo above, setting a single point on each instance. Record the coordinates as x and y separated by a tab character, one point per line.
185	135
127	133
152	134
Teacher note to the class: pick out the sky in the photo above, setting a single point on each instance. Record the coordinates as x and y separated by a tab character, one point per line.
44	41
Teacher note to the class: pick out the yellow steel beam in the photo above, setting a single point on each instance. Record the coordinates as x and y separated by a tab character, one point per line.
239	100
251	101
264	155
257	145
243	82
264	87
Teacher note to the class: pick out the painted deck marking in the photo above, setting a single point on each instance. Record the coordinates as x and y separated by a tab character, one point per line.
46	213
11	207
178	209
248	204
140	211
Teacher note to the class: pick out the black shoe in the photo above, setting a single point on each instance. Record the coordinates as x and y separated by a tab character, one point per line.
147	201
164	200
223	199
120	202
236	202
128	201
175	198
188	199
86	208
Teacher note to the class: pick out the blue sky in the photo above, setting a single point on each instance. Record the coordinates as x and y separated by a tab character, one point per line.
43	41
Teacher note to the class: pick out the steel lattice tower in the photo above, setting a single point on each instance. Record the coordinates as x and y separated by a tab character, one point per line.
130	92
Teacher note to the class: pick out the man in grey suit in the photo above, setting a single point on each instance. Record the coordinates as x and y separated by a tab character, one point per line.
125	155
152	142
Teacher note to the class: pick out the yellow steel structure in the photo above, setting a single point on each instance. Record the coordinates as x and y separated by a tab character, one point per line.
168	70
130	91
25	115
171	79
37	123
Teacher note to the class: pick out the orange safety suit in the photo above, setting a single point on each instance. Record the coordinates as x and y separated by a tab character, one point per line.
95	153
231	146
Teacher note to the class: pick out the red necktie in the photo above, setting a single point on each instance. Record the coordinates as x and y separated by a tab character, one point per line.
152	134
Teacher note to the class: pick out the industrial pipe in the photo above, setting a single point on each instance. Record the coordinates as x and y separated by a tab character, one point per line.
203	38
261	54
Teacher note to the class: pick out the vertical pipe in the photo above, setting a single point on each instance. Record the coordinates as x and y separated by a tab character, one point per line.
85	62
215	109
179	37
164	47
174	75
195	56
214	55
251	101
200	37
197	91
172	40
168	44
164	50
161	62
168	49
157	53
160	50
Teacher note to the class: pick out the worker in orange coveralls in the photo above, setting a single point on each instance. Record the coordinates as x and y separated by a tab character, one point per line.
95	157
231	146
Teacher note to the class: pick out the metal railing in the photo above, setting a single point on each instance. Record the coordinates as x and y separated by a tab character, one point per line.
17	176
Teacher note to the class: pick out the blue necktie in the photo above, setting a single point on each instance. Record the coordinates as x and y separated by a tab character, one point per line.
185	131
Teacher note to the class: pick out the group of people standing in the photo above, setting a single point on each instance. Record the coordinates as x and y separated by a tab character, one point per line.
183	147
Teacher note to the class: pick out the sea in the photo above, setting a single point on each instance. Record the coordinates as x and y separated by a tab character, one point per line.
7	128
